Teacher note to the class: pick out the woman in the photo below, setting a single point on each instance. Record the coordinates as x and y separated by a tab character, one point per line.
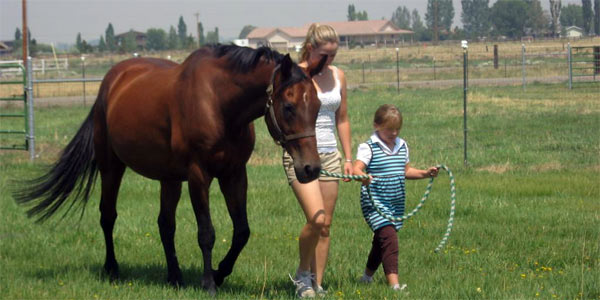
317	198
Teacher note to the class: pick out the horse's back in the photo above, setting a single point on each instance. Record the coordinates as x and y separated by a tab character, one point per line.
137	114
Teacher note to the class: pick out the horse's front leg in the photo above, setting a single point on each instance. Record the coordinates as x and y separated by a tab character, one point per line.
199	183
234	188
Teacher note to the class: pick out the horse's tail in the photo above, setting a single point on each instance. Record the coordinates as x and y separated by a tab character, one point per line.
72	176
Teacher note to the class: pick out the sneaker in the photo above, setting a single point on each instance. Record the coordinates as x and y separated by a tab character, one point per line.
366	279
321	292
303	284
398	287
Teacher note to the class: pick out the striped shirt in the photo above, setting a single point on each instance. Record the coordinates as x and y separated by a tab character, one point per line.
388	185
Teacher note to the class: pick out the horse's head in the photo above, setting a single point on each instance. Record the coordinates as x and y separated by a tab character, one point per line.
291	115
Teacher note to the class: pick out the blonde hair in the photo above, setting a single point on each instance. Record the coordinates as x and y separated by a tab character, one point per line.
388	115
316	36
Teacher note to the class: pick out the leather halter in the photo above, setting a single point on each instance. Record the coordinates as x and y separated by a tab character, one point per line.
280	137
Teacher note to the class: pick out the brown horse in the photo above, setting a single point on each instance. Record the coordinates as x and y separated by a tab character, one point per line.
189	122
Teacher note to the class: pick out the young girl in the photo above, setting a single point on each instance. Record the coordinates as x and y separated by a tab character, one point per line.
384	157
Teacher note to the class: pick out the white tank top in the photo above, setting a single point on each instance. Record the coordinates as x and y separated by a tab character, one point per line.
325	126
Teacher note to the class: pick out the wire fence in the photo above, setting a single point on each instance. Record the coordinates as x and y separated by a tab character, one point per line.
421	65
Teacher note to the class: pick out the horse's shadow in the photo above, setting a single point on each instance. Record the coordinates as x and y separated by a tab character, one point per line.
156	275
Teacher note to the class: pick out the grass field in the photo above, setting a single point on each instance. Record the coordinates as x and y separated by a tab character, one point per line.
527	220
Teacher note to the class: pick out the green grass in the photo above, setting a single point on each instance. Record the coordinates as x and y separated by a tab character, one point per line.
527	220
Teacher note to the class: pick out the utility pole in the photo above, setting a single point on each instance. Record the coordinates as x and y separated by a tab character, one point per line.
435	22
197	14
25	35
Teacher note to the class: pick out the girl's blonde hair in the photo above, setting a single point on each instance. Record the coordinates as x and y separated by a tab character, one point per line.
389	116
316	36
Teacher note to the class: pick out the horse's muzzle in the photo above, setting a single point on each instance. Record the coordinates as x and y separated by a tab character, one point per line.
308	173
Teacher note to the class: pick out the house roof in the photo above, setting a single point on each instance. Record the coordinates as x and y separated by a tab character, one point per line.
137	33
3	46
371	27
574	28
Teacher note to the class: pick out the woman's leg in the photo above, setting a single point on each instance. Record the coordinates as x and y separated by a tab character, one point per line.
329	191
311	201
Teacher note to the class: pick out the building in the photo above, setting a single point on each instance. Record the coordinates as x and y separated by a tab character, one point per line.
377	33
6	47
573	32
140	38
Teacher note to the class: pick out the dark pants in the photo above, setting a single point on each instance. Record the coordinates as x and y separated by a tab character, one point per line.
384	250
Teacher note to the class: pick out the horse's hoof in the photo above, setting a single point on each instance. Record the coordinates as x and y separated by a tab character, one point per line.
218	277
112	270
210	287
175	279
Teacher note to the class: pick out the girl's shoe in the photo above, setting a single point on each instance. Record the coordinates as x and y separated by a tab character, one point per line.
320	291
303	283
398	287
366	279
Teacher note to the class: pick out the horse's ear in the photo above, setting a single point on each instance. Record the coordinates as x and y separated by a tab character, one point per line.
316	68
286	66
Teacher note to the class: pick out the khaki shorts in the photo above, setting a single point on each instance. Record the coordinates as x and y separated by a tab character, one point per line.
330	162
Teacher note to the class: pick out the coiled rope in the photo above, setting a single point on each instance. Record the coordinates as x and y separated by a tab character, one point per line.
414	211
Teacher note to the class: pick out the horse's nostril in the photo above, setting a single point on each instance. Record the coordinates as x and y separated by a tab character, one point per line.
312	171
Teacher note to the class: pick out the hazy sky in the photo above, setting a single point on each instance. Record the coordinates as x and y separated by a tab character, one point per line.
59	21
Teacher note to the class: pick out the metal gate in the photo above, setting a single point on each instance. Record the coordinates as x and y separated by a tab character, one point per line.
13	133
584	64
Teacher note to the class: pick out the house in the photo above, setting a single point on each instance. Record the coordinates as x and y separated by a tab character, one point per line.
241	42
573	32
6	47
378	33
140	38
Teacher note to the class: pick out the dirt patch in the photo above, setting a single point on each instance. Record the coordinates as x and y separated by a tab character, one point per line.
498	169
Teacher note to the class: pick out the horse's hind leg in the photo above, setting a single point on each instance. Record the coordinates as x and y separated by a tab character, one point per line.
199	182
170	192
234	188
111	181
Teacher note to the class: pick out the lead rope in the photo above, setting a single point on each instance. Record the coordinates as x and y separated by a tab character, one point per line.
414	211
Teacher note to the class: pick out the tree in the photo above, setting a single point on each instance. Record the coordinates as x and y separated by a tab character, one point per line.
17	34
439	15
245	31
172	39
597	17
588	16
401	17
362	16
109	34
555	8
201	39
128	43
351	13
536	21
212	37
509	17
182	32
157	39
475	17
356	16
102	45
79	43
571	15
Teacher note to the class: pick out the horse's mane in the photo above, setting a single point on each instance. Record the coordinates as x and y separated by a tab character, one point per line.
245	59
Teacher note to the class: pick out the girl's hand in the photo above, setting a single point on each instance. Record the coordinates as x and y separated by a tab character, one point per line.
347	170
432	172
367	181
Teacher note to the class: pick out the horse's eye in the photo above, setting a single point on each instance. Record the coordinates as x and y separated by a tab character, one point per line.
289	111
